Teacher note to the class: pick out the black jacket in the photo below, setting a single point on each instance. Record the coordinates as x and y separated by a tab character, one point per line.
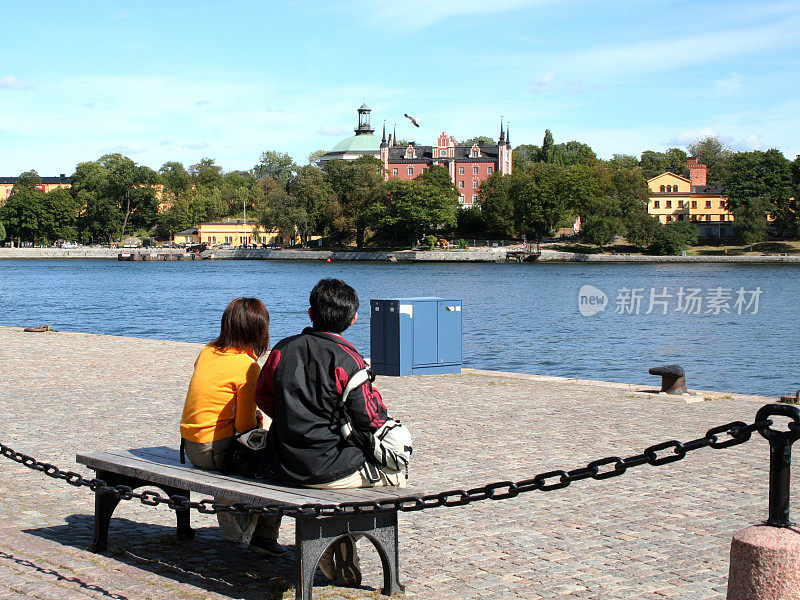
299	388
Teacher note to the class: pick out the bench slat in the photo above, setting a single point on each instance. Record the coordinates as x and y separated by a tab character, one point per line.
160	465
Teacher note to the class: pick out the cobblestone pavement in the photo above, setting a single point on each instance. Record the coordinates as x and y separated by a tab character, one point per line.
654	533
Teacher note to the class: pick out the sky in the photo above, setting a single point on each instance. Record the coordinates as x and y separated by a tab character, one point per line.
178	81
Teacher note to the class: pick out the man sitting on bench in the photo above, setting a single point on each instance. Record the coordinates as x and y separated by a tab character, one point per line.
300	388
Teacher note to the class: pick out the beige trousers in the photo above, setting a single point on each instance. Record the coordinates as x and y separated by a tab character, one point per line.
359	479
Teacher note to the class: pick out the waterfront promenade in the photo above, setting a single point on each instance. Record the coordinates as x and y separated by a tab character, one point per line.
653	533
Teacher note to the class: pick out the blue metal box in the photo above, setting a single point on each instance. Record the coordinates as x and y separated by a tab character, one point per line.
415	336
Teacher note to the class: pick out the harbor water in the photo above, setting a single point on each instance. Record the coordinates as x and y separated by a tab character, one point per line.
732	327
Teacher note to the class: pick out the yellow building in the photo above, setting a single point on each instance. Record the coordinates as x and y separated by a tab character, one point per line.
677	198
234	232
48	184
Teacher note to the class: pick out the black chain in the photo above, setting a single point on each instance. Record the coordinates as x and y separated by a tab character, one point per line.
670	451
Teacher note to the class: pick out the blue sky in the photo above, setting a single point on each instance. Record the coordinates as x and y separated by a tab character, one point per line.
165	80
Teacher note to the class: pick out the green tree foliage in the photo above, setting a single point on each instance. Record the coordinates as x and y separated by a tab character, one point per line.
310	188
313	158
574	153
283	212
2	232
603	223
470	221
524	155
623	160
275	165
176	179
760	183
642	230
547	152
654	163
412	209
206	173
63	208
481	140
497	205
358	186
25	213
714	154
674	238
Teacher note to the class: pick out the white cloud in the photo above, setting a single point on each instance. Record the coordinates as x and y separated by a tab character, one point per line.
751	142
330	130
537	85
202	103
690	137
195	146
9	82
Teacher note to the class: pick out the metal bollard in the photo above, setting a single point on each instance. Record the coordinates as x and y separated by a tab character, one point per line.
765	559
780	459
673	379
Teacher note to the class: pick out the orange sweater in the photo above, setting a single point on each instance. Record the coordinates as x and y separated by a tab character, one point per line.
220	402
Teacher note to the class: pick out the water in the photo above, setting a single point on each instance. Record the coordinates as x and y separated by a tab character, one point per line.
517	317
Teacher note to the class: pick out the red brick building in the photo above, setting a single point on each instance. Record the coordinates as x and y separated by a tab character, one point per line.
468	165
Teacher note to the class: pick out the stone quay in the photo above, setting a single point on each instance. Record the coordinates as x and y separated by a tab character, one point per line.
652	533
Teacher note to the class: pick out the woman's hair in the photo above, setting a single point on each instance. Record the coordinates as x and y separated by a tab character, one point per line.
245	326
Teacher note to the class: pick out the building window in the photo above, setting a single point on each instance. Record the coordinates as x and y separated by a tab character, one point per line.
662	189
410	170
669	203
394	171
461	198
489	170
474	170
475	185
708	203
461	185
694	203
680	203
460	170
475	153
722	203
474	197
656	204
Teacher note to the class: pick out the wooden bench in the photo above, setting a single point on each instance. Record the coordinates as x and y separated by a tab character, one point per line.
160	467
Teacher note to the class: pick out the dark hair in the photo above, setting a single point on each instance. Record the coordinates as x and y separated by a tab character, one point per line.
245	327
333	305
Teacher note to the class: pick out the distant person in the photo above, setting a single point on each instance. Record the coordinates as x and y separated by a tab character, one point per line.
300	388
220	404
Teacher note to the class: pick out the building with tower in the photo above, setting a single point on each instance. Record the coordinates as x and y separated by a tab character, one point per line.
468	165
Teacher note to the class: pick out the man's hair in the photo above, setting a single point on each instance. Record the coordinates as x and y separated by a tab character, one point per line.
333	305
245	327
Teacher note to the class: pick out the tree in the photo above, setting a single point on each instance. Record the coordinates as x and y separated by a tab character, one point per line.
751	223
642	229
481	140
524	155
439	177
176	178
206	173
310	188
497	205
276	165
623	160
603	223
358	185
546	154
674	238
2	232
714	154
412	209
313	158
655	163
283	212
574	153
63	209
25	214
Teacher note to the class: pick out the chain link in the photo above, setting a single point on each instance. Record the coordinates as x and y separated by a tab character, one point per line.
670	451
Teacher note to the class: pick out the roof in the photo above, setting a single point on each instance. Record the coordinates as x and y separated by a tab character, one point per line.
461	153
48	180
707	189
669	173
190	231
356	143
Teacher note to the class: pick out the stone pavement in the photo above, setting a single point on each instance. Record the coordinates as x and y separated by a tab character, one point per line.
654	533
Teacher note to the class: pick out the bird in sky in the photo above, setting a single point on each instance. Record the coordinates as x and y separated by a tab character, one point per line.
412	119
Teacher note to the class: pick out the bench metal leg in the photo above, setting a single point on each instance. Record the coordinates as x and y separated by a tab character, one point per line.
314	535
185	531
105	504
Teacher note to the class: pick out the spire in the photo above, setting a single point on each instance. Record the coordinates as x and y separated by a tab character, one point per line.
508	134
363	120
383	138
394	135
502	133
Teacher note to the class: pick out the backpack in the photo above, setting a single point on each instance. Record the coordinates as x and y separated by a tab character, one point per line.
390	445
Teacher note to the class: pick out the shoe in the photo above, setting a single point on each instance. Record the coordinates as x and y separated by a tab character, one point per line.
340	563
267	546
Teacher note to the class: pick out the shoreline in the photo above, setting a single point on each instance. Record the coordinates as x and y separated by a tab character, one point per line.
402	256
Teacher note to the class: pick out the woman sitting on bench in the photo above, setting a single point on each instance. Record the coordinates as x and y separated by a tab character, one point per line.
220	403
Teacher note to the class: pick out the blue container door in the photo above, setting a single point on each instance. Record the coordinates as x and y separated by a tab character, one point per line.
425	332
391	324
377	332
449	341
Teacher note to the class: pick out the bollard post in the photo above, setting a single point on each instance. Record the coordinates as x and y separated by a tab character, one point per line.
765	559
